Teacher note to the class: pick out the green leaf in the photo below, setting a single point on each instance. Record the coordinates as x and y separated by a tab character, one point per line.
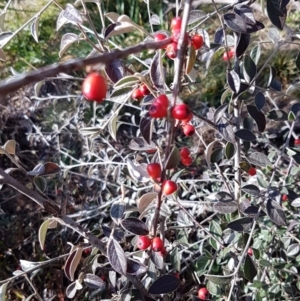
259	159
241	224
276	15
264	263
43	232
258	116
213	288
249	68
251	189
173	159
276	213
245	135
255	53
112	127
298	61
293	250
201	264
3	288
40	183
249	268
277	115
127	81
225	207
219	280
229	150
175	259
260	101
191	59
217	155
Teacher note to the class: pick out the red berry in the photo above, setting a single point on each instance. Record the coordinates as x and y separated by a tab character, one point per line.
144	242
188	130
163	100
187	161
176	23
250	252
163	252
137	94
284	197
252	171
169	187
160	37
157	244
203	293
171	51
230	54
87	251
158	111
94	87
103	277
144	89
151	151
154	170
176	35
180	112
177	275
297	142
190	117
197	41
184	152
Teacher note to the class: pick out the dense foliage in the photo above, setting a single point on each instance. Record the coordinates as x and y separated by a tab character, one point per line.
170	173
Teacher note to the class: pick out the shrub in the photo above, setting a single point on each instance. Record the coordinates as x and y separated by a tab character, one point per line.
128	181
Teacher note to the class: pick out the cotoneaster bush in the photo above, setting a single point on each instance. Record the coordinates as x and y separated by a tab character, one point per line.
152	205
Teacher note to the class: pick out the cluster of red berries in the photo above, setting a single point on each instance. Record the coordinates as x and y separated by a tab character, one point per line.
154	171
181	112
228	55
157	245
171	49
140	92
185	156
159	107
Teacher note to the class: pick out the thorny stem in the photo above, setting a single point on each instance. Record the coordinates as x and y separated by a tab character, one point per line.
171	122
7	86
